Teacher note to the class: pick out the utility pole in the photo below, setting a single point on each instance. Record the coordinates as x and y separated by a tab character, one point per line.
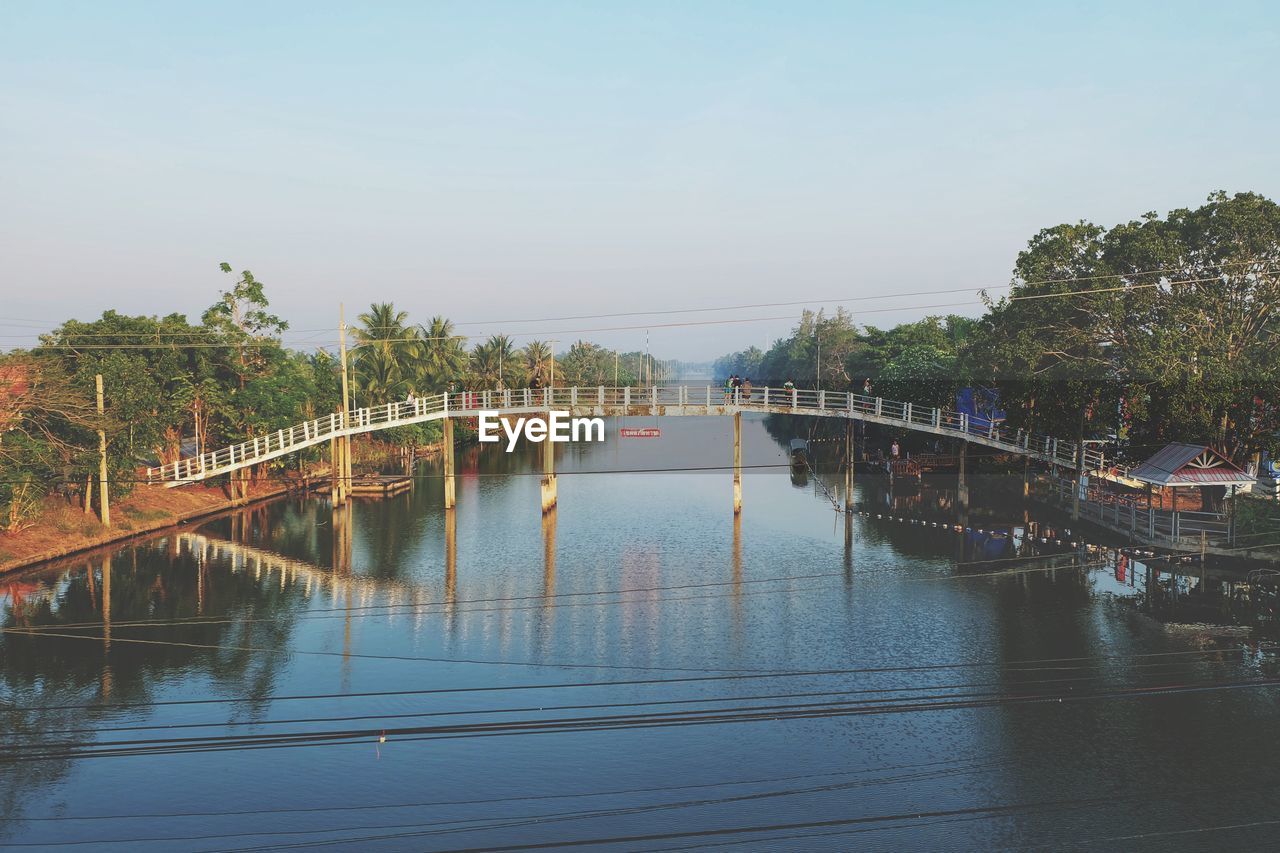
818	338
344	476
102	458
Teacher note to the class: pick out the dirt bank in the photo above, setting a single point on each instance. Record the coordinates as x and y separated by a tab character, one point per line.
64	529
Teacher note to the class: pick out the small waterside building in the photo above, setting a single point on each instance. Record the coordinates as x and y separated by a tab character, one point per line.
1182	466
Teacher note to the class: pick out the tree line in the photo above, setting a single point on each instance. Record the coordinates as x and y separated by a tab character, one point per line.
174	388
1155	330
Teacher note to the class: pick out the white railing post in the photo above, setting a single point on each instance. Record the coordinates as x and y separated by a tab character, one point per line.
848	402
600	395
708	396
795	397
626	396
937	418
879	406
906	412
573	396
822	400
654	389
964	423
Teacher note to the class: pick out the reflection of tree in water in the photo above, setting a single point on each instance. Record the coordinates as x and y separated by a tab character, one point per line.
157	581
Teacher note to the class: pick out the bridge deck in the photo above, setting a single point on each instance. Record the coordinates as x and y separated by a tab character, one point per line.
666	401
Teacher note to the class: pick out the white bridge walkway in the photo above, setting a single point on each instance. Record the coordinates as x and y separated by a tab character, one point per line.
669	401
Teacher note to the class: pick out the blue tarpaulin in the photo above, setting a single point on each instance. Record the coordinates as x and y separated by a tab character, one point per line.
982	405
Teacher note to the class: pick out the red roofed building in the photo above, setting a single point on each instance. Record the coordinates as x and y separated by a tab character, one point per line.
1190	465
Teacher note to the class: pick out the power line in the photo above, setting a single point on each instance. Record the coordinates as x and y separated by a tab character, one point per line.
671	325
792	303
1023	665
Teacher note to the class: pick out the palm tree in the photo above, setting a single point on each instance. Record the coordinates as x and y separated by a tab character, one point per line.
537	358
495	363
444	359
387	354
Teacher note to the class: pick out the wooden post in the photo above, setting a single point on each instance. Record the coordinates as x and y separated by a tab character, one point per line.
450	495
105	497
737	462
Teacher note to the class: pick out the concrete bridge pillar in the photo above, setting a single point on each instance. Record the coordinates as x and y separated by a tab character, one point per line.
450	561
548	475
737	462
849	463
450	495
335	471
340	469
962	485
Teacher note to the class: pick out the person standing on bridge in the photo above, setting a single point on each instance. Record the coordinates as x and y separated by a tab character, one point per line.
866	387
746	390
728	388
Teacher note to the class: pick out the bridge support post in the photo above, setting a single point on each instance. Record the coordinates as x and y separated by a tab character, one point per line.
346	468
1075	487
335	469
548	475
962	486
737	462
848	469
450	495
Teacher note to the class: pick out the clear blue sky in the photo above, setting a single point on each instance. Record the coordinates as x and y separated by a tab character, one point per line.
511	160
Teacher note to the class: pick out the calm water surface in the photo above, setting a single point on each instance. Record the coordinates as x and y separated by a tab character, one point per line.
637	670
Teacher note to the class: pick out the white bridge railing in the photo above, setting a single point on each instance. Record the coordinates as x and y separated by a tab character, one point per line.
600	400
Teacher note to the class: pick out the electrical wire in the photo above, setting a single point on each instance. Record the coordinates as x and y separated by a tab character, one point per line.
1013	666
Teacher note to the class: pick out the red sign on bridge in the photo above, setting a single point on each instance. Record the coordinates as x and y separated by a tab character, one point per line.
641	432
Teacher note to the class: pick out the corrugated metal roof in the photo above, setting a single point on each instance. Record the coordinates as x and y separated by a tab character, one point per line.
1171	467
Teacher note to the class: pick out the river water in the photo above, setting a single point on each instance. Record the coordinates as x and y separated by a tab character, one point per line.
636	671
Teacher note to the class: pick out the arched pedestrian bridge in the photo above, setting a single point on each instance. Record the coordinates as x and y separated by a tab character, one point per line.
657	401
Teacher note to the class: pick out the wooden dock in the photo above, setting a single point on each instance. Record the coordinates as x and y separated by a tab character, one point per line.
380	485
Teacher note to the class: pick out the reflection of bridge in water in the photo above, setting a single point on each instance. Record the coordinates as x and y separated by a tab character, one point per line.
671	401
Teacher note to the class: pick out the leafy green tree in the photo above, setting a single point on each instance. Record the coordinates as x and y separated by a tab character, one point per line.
240	317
